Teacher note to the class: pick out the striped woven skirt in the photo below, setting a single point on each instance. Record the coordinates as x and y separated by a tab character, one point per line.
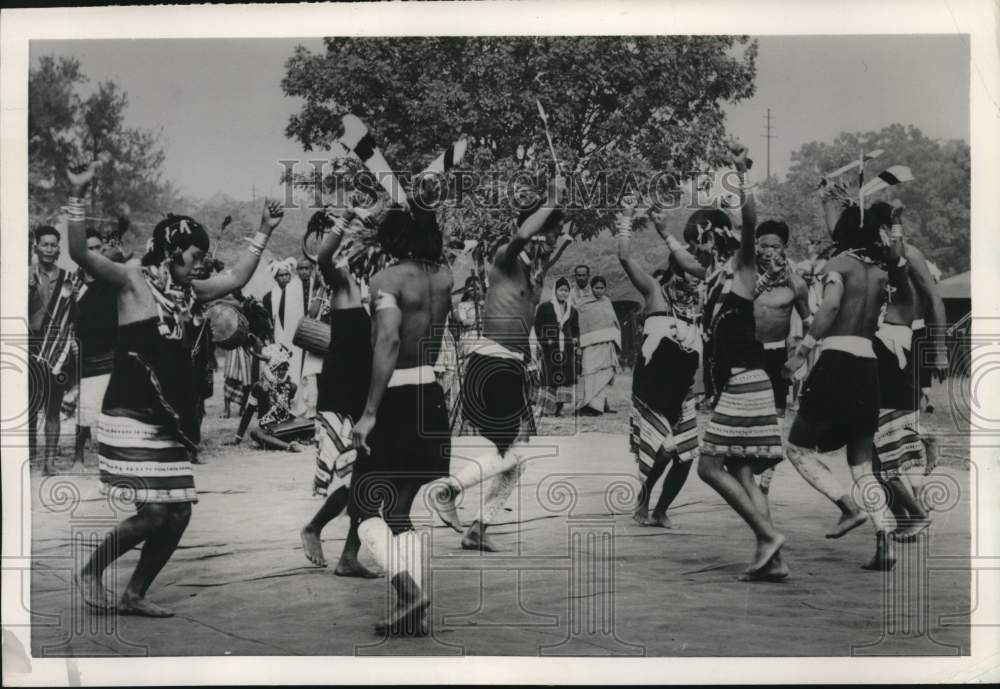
237	375
651	435
143	461
335	452
897	442
744	423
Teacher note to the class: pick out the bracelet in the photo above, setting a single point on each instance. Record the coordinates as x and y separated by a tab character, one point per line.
896	232
808	342
258	243
672	243
76	210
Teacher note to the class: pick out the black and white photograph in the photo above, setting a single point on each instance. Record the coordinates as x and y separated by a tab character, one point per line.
458	332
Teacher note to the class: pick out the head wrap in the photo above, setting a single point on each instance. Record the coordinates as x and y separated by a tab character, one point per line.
172	234
286	264
775	227
714	223
562	310
276	355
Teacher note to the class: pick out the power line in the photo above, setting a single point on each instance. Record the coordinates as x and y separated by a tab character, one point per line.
768	135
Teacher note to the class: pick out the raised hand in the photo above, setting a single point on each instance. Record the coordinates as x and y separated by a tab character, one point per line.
738	154
80	179
629	203
272	215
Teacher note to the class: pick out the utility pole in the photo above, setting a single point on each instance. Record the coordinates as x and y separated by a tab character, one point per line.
768	135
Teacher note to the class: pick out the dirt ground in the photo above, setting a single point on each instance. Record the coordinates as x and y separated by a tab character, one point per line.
577	575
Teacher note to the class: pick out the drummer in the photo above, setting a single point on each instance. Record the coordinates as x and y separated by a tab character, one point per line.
271	398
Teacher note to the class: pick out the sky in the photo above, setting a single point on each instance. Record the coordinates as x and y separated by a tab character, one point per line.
222	114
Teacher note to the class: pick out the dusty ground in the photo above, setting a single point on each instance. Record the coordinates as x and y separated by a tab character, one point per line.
577	575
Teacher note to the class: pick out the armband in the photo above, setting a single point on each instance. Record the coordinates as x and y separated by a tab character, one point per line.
896	232
833	279
258	243
384	300
76	210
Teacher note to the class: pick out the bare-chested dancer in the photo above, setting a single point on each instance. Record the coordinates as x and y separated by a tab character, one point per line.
779	290
494	396
840	398
664	423
403	438
147	426
343	386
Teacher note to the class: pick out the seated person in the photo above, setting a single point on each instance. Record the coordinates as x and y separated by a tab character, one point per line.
271	397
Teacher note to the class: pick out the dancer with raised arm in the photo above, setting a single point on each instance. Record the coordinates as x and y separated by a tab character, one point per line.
343	387
742	437
664	424
147	422
494	397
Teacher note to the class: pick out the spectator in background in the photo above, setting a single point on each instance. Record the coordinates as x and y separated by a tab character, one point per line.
581	293
314	299
600	344
286	304
557	327
51	308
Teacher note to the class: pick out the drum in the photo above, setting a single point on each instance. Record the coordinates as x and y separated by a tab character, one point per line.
229	326
313	335
296	428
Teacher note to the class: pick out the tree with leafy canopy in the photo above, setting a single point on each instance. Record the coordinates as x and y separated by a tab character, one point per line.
619	108
937	200
65	129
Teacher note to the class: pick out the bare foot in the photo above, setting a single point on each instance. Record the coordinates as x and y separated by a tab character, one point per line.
885	556
444	502
95	595
847	522
406	620
351	567
141	607
912	530
774	570
641	515
312	546
660	520
295	446
476	540
765	551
